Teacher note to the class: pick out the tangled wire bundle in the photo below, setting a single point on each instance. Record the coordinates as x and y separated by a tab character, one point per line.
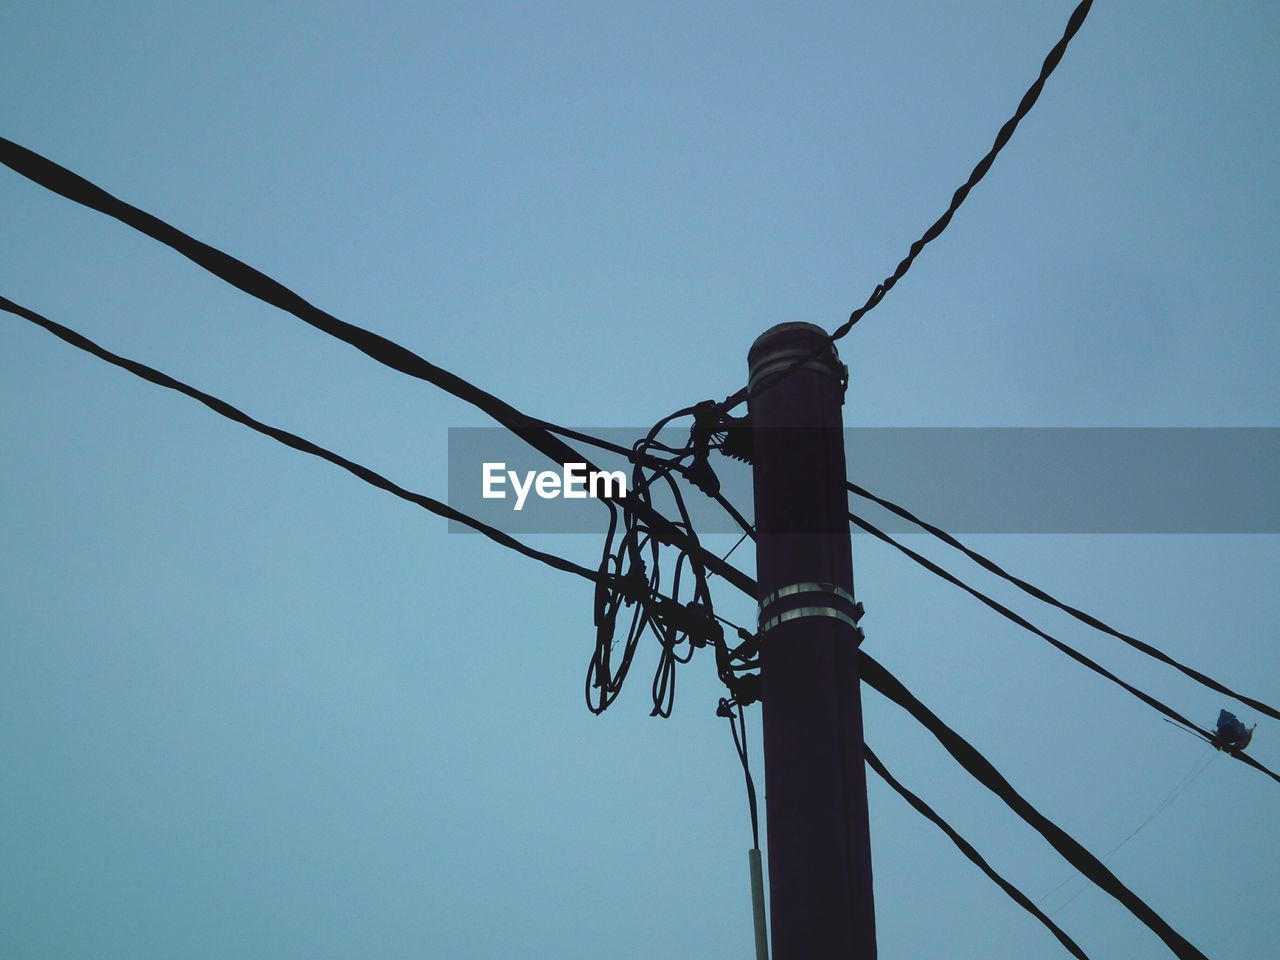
631	575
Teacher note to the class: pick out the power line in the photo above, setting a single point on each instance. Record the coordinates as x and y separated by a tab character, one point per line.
872	673
1009	614
749	532
985	773
1029	98
536	433
968	850
644	527
1071	652
619	574
257	284
639	454
1032	590
876	676
672	622
1051	61
221	407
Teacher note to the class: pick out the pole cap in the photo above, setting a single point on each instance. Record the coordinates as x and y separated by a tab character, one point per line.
784	346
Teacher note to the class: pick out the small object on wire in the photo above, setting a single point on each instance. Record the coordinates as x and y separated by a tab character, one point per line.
1231	734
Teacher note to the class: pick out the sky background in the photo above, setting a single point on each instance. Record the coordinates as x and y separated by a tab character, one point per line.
252	707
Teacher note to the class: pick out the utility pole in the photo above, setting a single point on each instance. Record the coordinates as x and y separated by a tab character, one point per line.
815	782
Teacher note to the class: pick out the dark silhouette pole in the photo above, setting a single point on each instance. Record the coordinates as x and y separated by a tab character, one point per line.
815	782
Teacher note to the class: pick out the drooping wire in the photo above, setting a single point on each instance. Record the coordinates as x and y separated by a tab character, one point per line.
633	554
1151	701
280	435
1071	652
1034	591
637	557
1188	730
972	854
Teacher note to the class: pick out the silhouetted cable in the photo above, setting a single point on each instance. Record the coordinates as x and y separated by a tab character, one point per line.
749	532
257	284
874	675
641	457
1051	61
871	671
632	547
674	623
880	679
1015	618
225	409
1032	590
1071	652
968	850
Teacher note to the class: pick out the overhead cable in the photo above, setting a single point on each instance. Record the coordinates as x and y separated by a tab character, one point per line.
1020	898
1051	61
880	679
1070	651
301	444
985	773
254	282
1029	98
1034	591
871	671
680	626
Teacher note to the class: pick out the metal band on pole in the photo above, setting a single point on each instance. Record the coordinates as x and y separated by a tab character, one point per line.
794	588
799	612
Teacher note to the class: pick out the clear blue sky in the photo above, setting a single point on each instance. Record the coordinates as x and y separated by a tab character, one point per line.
250	707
